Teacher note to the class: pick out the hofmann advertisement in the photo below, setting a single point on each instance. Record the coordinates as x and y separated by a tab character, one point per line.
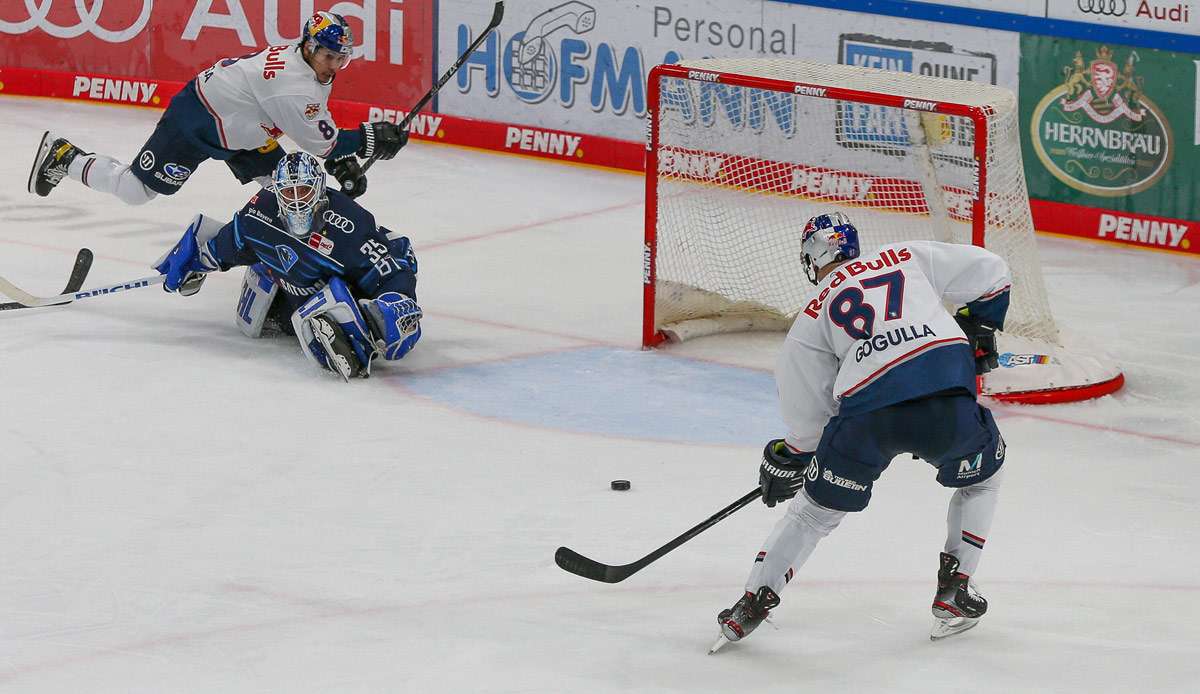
582	66
1115	128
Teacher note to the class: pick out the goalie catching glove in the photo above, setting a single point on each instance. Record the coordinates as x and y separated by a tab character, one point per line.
781	474
343	336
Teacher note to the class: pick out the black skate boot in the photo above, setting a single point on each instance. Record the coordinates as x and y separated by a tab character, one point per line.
957	605
53	157
339	355
744	617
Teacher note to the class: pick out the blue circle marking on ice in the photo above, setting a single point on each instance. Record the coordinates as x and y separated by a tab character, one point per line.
616	392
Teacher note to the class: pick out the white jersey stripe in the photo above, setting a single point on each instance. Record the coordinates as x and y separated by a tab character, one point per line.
212	112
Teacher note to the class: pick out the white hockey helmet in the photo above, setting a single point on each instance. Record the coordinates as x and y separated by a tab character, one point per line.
299	185
827	238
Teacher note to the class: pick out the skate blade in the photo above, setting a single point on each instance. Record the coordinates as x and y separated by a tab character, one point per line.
337	362
721	641
949	627
43	148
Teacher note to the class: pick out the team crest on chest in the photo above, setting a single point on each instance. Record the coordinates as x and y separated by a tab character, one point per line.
287	257
311	111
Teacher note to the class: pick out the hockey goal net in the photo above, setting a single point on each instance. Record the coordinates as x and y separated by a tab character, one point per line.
741	152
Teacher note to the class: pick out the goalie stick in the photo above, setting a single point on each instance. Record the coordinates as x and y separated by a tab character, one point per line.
27	300
576	563
497	16
83	263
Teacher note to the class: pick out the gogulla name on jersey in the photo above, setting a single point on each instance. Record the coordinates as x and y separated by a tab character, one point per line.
892	338
844	272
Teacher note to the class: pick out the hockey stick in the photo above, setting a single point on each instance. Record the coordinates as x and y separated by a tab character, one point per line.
497	16
83	263
576	563
28	300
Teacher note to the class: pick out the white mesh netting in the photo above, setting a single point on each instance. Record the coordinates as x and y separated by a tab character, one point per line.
741	169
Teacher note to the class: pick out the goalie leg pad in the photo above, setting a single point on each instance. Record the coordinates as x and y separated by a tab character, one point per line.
336	308
254	304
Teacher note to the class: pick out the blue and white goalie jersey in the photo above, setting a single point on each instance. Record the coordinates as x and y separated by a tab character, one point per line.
877	333
346	244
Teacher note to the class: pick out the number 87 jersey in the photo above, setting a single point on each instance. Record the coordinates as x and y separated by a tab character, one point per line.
877	332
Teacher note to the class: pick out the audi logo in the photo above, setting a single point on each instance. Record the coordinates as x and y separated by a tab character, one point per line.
337	221
89	21
1112	8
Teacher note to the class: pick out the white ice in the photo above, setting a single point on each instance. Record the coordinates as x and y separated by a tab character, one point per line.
186	510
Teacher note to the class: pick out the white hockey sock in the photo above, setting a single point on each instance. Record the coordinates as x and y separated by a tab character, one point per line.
108	175
791	542
969	520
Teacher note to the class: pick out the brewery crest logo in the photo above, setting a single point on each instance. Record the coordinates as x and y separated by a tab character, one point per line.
1098	131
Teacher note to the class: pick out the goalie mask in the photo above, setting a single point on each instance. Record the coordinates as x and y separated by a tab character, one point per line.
300	189
827	238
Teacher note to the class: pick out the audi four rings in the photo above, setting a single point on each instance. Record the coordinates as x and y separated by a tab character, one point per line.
1112	8
89	21
337	221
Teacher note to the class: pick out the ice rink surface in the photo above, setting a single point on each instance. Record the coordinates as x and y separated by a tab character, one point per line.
187	510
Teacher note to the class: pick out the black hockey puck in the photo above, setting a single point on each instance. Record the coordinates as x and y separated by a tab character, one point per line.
620	485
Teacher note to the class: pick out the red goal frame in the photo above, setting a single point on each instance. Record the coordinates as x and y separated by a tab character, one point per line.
978	115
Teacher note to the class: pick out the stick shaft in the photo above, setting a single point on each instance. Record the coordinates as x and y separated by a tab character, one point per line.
27	299
497	15
574	562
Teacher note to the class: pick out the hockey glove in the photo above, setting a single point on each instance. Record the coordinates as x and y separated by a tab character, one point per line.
781	474
395	322
381	140
187	264
982	339
349	174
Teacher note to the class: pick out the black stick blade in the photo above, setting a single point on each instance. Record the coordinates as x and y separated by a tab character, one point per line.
573	562
83	264
79	273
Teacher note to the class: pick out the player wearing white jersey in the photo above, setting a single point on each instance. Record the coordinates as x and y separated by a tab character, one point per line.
235	111
873	367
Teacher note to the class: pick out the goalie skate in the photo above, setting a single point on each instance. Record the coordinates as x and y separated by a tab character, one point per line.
339	355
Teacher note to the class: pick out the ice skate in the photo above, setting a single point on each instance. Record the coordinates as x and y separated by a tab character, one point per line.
54	155
739	621
957	605
339	355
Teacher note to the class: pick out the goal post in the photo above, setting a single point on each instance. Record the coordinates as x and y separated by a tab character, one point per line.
741	152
